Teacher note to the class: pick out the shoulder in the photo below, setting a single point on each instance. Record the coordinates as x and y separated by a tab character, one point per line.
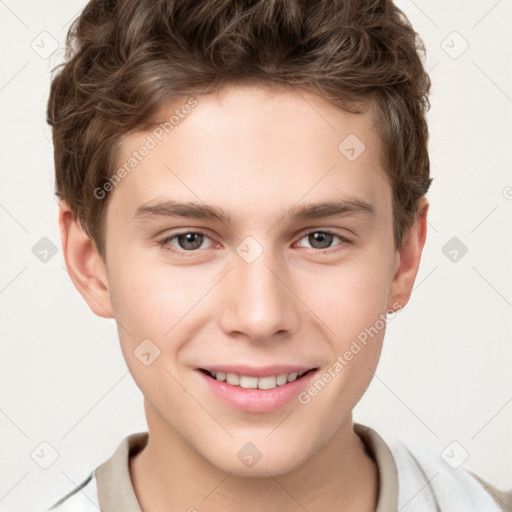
429	480
109	486
84	498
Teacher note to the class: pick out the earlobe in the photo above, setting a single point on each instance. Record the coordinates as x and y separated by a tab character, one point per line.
84	264
408	259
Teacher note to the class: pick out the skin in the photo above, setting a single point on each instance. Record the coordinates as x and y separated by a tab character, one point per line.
257	153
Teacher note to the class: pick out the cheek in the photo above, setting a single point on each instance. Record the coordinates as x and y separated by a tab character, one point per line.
353	322
150	299
347	298
148	305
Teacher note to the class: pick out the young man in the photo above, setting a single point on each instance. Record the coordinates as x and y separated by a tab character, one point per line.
242	189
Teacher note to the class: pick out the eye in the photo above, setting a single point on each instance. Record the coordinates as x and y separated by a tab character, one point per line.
187	241
323	239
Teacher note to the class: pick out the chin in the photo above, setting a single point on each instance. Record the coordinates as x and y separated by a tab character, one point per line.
253	460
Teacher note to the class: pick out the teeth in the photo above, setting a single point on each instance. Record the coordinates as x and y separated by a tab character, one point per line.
233	379
267	382
247	382
282	378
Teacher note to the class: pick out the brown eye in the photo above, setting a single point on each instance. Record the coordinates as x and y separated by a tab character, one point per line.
190	241
185	242
320	239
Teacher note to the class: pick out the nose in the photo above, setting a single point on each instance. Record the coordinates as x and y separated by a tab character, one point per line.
258	301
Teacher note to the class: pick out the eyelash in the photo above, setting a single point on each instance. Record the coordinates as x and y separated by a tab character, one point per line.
164	243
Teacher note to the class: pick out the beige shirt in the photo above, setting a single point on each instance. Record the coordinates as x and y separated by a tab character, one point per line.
112	484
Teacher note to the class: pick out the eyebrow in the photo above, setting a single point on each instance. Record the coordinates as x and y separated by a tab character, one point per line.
171	208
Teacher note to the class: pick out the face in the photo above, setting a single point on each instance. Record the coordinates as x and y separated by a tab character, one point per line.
268	285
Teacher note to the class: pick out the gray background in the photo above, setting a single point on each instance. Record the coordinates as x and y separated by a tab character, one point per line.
444	378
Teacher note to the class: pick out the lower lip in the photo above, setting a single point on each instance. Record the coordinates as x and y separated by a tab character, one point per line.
257	400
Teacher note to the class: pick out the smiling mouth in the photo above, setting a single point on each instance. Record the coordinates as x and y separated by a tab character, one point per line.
251	382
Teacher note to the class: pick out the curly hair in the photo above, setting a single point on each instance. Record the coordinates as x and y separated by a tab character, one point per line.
126	59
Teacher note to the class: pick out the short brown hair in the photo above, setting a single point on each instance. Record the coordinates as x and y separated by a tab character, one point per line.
126	59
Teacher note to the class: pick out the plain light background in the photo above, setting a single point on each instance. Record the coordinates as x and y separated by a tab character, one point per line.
445	372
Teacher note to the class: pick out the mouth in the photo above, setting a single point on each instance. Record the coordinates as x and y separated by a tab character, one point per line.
256	390
263	382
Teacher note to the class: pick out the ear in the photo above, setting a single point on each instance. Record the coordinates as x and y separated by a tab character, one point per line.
408	259
84	264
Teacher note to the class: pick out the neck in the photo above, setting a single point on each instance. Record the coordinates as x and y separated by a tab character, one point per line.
339	476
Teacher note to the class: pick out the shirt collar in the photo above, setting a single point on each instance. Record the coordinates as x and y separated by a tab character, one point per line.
378	450
116	493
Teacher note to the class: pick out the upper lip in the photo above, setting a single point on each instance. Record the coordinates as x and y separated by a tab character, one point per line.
261	371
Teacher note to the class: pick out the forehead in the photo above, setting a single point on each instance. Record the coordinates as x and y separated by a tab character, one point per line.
246	146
